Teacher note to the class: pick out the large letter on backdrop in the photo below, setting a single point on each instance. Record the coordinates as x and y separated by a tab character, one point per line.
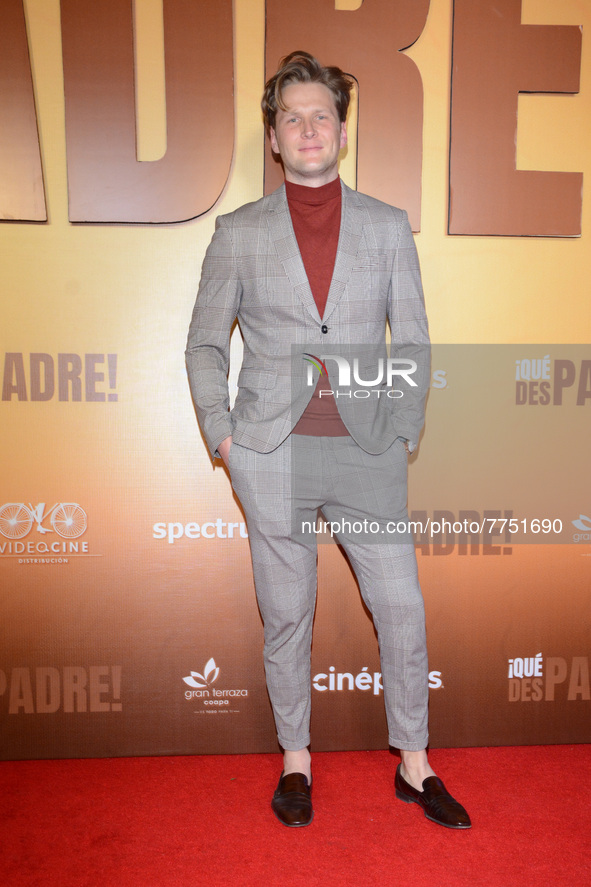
495	58
22	196
366	43
106	182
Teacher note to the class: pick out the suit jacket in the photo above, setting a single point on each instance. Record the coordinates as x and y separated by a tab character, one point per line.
253	271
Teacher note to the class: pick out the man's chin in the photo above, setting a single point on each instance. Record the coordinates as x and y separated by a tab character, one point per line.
314	169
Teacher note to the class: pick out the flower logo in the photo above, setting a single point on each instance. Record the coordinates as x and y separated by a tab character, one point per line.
200	681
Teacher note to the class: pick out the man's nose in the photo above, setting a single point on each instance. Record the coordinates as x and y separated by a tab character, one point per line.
308	128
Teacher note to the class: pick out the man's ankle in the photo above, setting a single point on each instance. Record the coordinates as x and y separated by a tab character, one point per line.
298	762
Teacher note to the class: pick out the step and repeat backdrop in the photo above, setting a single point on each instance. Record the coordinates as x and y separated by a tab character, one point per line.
129	623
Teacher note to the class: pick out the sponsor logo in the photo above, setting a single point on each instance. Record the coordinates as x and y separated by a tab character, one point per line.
65	520
200	681
583	523
541	381
334	681
535	679
72	688
210	699
217	529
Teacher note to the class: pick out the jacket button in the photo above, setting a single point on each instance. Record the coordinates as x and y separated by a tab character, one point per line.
324	328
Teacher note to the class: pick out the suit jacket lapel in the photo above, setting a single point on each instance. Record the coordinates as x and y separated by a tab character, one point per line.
352	219
283	236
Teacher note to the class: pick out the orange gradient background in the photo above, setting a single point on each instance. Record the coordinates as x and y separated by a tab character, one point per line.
162	610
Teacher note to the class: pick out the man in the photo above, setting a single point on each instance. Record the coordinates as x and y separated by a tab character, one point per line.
311	271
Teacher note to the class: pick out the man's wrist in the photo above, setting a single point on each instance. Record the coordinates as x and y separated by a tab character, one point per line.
223	449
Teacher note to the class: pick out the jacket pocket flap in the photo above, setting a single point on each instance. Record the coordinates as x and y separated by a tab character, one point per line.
250	377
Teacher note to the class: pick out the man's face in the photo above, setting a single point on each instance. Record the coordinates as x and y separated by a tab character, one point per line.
308	135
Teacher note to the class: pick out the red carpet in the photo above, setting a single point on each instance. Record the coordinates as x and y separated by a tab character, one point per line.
192	821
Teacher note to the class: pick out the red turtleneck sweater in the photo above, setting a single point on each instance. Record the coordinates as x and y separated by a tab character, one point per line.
316	219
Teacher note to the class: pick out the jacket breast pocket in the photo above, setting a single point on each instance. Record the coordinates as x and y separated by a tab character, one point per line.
373	262
370	275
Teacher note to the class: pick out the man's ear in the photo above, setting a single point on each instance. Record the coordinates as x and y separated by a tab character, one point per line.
343	135
273	137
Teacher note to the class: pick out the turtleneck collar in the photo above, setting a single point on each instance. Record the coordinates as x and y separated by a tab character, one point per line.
314	196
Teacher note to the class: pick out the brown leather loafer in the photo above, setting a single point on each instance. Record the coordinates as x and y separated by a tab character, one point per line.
436	801
292	804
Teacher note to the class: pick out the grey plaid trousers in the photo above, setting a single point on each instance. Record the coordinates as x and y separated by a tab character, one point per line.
281	493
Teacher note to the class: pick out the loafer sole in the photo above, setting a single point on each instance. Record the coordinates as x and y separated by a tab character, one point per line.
292	824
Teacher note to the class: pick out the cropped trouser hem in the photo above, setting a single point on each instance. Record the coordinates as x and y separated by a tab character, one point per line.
294	745
406	745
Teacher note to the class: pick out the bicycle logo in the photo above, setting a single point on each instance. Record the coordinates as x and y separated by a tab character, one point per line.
67	519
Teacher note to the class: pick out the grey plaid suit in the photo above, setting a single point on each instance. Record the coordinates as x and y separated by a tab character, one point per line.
253	271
